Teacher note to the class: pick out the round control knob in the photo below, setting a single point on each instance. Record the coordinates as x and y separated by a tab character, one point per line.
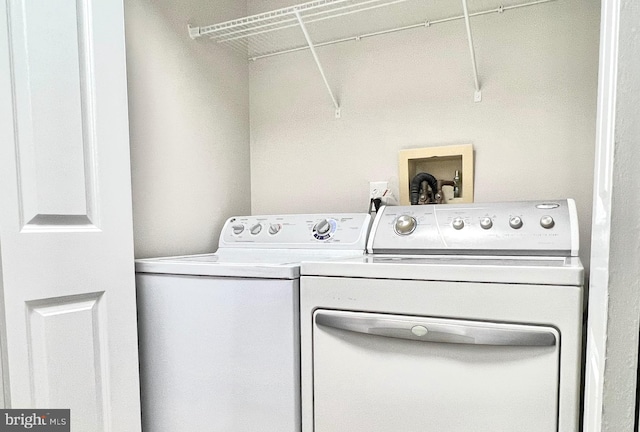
274	229
405	225
547	222
515	222
255	229
322	227
458	223
486	223
237	229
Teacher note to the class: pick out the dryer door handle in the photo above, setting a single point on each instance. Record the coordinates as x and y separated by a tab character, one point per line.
438	329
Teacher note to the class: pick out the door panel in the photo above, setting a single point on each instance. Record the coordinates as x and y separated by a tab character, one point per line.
372	372
65	218
54	116
66	341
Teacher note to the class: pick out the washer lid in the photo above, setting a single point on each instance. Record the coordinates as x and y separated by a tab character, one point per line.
510	269
246	263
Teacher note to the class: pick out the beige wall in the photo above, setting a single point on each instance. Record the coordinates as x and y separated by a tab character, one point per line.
189	124
533	133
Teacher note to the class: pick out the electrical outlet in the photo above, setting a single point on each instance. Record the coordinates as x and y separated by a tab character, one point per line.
377	189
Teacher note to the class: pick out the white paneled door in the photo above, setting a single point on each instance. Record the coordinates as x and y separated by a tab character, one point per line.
66	240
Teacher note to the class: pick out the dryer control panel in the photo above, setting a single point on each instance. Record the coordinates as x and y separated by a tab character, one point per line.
548	228
304	231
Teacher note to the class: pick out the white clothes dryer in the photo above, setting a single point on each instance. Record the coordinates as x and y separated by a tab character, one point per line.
464	317
219	333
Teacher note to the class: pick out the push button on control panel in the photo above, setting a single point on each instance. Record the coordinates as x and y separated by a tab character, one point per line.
515	222
547	222
486	223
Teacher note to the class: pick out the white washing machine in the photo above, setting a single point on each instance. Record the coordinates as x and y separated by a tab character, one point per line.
219	333
464	317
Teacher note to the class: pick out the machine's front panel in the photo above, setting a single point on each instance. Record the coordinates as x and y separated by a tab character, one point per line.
442	376
218	354
383	373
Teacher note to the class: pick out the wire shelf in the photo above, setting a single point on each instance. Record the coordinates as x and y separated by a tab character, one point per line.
279	30
331	22
318	23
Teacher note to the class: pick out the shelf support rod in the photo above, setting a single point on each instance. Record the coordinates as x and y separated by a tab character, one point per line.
303	27
477	97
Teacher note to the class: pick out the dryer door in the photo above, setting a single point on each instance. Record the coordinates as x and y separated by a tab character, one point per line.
390	373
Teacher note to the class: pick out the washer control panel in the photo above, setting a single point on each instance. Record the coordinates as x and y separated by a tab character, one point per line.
330	231
511	228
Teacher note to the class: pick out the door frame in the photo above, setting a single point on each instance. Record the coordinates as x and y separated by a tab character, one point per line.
614	299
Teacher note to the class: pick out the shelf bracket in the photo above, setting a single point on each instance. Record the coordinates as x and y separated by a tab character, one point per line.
312	48
194	32
477	96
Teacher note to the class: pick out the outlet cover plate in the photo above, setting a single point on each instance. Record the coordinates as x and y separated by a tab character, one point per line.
377	188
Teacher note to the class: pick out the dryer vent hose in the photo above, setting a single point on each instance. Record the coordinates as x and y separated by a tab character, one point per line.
414	187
